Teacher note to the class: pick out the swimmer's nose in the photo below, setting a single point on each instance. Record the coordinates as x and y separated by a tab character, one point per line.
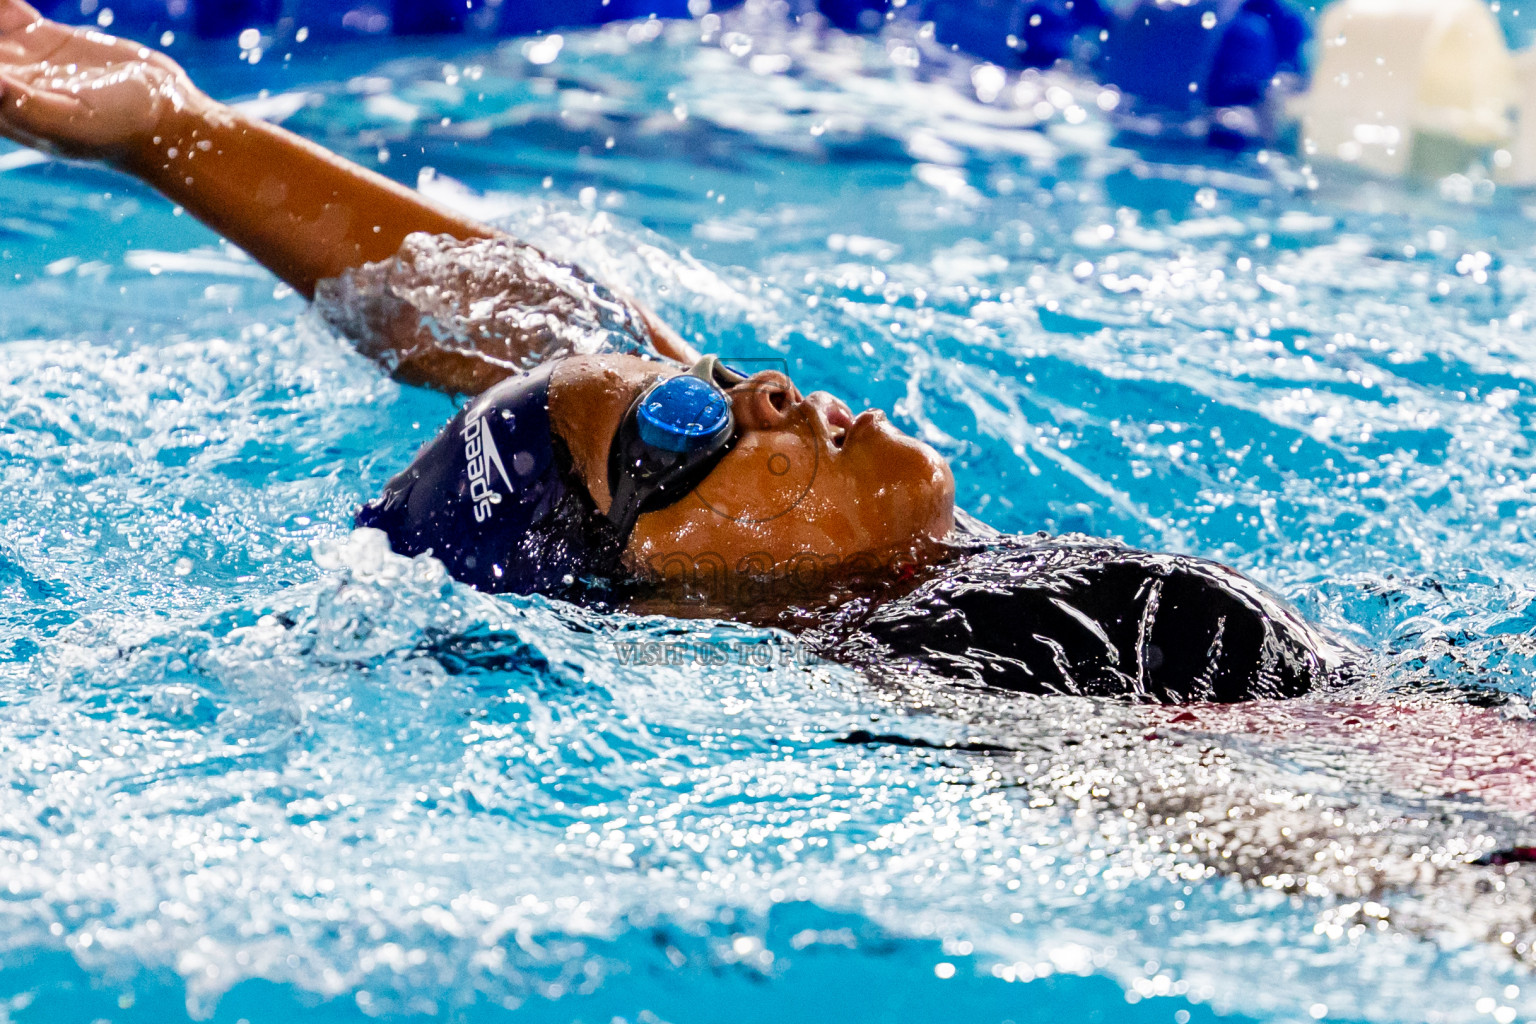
764	401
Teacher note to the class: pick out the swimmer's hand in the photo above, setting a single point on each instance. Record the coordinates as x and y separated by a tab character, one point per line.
81	94
303	212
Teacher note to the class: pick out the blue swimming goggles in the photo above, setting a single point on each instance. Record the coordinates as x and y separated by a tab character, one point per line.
670	439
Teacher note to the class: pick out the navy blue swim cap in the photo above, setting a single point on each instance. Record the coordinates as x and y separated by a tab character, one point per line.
495	498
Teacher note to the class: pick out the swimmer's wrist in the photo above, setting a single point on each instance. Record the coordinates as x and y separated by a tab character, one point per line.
187	123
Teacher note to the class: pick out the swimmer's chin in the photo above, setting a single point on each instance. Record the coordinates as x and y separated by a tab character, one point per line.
758	572
924	484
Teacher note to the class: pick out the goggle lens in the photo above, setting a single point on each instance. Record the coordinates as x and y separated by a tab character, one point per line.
684	414
671	438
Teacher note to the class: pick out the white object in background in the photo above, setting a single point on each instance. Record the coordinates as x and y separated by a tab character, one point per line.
1409	86
1520	167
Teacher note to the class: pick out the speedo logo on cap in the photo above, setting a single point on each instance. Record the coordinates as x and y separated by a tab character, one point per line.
480	453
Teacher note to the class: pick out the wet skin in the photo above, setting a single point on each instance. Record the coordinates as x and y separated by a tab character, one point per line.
807	483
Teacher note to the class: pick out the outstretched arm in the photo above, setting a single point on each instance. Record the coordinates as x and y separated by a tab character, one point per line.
302	211
299	209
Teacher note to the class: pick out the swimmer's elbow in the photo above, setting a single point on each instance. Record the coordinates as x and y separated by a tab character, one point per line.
665	340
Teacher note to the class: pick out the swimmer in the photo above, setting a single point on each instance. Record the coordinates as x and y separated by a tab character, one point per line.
601	458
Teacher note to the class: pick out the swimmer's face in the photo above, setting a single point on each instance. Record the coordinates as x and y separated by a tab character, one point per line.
807	482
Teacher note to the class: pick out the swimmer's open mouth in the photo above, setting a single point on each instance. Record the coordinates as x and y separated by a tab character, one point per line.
839	423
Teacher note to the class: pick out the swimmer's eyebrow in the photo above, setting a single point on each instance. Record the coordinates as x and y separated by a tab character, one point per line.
627	394
649	379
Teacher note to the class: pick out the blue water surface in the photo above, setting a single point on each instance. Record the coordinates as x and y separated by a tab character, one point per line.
252	767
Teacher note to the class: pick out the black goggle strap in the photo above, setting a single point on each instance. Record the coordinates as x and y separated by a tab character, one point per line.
627	500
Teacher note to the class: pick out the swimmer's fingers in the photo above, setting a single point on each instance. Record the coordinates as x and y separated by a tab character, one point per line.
37	117
17	44
27	38
14	132
16	16
36	109
78	92
45	48
41	42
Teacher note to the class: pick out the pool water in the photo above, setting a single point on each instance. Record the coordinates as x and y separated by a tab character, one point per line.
254	767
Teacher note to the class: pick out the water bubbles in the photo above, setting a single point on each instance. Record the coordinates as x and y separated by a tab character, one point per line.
769	63
988	80
642	32
543	49
249	42
441	795
737	44
1208	20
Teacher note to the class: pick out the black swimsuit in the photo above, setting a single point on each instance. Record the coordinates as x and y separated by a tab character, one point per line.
1051	616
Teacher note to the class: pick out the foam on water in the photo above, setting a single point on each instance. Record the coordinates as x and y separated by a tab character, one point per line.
254	763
